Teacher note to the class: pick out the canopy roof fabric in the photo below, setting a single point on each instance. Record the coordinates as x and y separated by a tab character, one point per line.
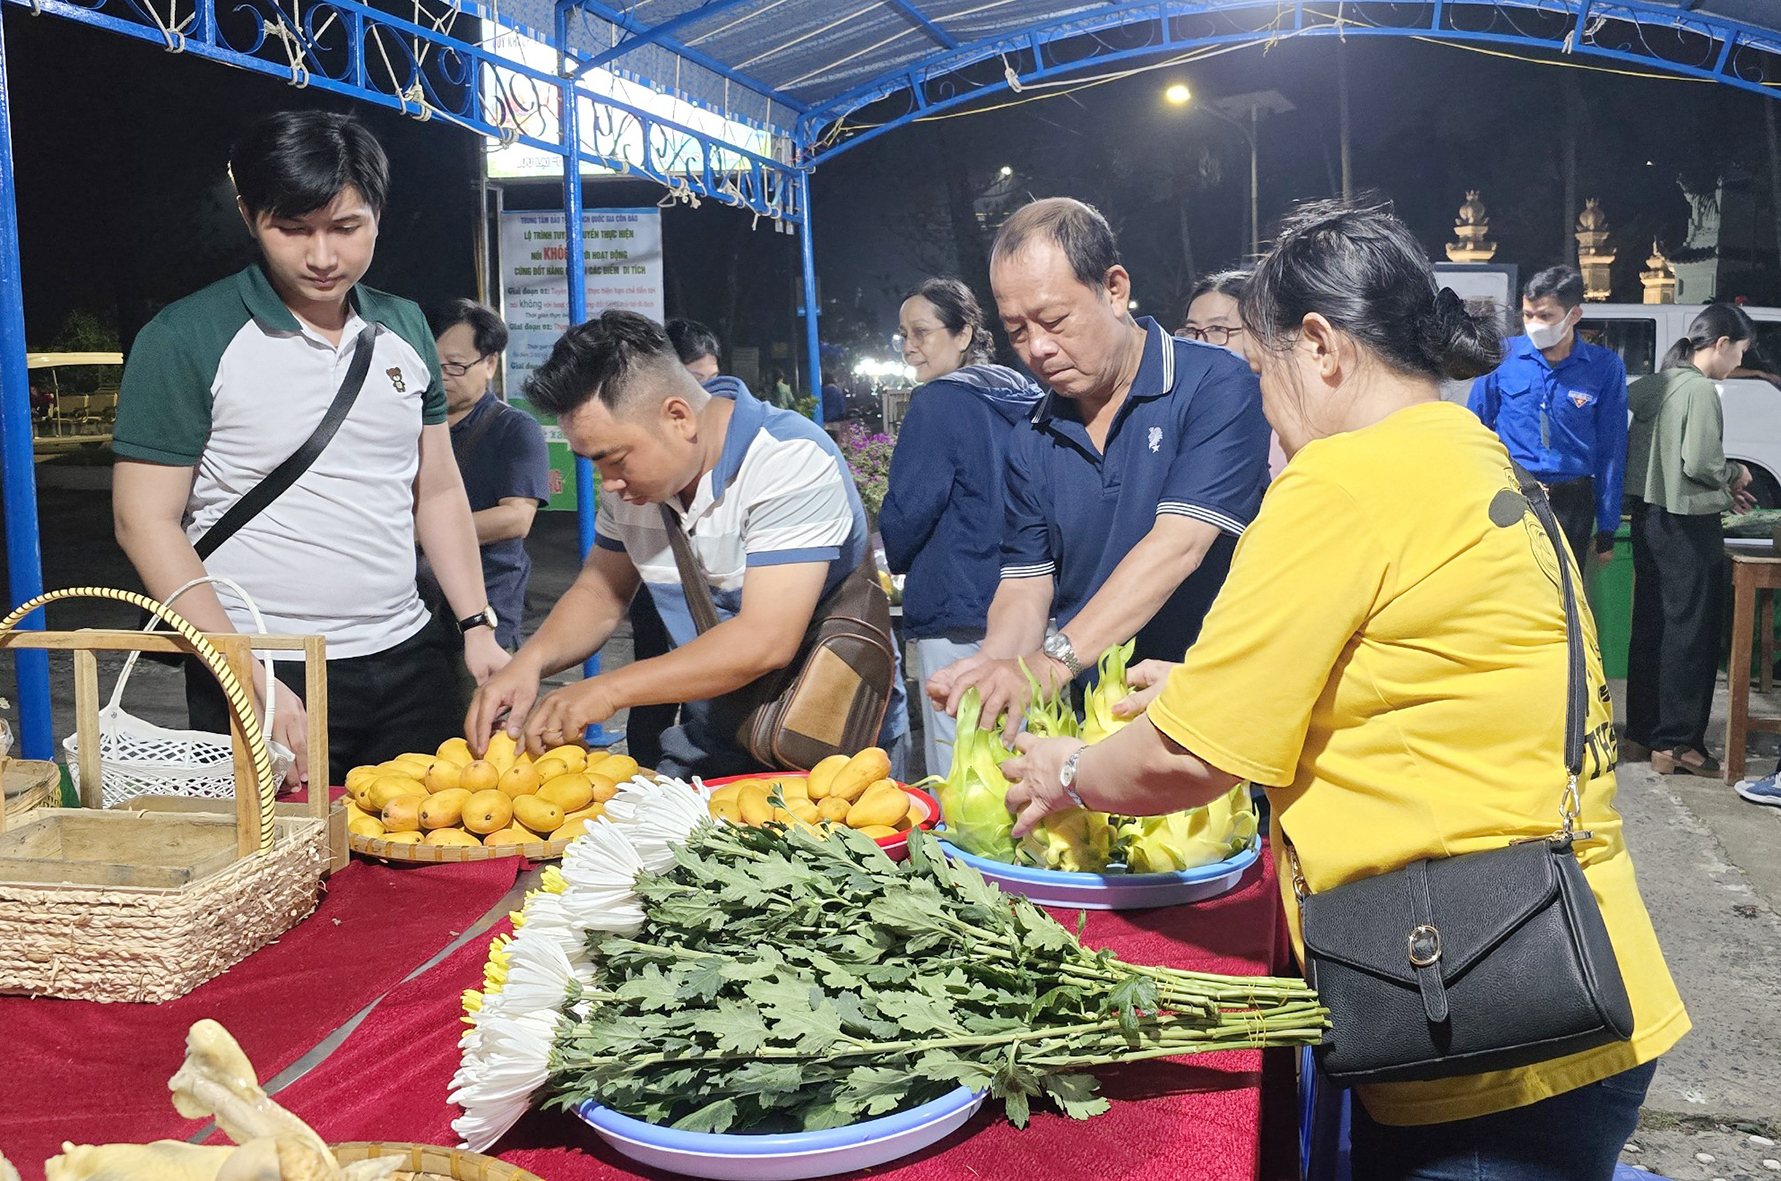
797	67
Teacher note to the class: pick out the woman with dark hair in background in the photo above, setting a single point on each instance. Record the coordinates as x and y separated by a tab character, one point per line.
942	514
1214	318
1392	665
1677	472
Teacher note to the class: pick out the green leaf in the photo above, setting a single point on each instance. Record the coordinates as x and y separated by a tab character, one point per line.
1075	1094
945	1066
717	1116
701	980
650	990
765	1078
737	1025
1131	998
873	1090
918	1012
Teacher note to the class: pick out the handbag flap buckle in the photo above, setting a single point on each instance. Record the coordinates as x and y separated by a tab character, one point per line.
1425	946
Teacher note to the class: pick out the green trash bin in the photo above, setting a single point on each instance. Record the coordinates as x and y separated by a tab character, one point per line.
1611	598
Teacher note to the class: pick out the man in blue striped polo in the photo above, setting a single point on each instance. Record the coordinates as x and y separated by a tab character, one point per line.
1129	486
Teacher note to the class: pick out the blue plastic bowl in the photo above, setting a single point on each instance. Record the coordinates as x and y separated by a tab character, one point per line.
731	1156
1112	891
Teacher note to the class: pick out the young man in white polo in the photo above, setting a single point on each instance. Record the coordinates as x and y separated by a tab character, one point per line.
769	509
222	387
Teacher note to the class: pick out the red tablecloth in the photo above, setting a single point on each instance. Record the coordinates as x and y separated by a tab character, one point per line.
97	1073
1196	1120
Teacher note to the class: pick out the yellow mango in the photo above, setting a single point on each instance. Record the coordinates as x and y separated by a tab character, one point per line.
413	766
387	788
823	774
443	809
727	809
793	787
509	836
479	776
878	831
590	813
365	826
403	814
615	767
502	750
861	772
805	810
917	814
521	779
487	811
571	829
568	792
451	838
881	805
752	803
833	809
443	775
727	792
358	776
537	814
574	757
549	767
605	787
411	836
456	750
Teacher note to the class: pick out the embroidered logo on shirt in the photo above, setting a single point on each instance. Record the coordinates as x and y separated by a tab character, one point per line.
1156	438
1581	398
395	376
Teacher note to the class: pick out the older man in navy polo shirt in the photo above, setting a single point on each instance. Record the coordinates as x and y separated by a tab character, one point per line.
1559	405
1128	488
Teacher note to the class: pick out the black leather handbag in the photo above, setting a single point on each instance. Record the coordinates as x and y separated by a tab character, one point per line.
1474	963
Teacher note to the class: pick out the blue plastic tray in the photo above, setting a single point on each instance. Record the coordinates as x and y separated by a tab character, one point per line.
1112	891
731	1156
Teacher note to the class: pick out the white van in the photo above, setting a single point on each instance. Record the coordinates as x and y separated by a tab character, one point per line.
1642	333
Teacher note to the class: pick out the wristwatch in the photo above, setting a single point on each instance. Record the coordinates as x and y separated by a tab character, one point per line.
484	618
1066	775
1057	646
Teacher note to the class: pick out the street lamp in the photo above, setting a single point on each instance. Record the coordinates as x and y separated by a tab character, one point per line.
1225	110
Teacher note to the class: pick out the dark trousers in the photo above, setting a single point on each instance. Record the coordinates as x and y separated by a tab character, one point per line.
1576	1136
1573	503
645	723
1673	659
405	698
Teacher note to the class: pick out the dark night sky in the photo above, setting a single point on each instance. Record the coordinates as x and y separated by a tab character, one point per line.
124	205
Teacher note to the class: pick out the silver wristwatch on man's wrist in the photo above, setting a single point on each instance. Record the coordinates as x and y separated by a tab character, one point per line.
1066	776
1057	646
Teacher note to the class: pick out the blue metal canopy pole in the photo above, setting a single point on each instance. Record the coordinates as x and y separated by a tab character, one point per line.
575	271
812	328
18	479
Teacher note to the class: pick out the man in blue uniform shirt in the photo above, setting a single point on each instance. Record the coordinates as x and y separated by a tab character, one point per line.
1129	486
1559	405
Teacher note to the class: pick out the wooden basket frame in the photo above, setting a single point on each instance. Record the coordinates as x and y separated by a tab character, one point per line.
229	657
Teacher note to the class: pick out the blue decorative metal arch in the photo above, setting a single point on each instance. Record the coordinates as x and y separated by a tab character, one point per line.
931	55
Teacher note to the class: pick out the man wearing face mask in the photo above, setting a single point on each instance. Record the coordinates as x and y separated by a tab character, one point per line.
1559	405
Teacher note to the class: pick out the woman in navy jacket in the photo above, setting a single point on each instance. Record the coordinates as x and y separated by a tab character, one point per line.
942	516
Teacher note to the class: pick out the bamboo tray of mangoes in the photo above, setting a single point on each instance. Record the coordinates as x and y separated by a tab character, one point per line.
453	806
855	792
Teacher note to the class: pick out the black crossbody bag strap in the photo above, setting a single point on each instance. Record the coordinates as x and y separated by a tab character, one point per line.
287	473
1576	691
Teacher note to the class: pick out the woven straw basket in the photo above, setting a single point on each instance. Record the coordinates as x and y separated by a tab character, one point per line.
146	906
430	1161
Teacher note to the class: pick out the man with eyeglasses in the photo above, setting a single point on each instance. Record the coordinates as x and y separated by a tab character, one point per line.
500	451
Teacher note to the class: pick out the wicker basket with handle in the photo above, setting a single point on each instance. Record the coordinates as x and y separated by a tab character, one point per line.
146	906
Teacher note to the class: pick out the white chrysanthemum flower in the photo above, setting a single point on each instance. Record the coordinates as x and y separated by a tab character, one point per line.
496	1090
657	817
601	869
539	975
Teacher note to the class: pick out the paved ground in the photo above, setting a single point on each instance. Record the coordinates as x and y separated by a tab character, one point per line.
1708	866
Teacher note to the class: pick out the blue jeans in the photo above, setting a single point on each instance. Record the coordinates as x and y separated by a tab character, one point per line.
1576	1136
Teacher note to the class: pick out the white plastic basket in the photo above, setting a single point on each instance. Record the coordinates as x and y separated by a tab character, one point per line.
140	758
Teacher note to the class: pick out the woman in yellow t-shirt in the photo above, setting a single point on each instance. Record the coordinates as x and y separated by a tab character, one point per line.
1388	657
